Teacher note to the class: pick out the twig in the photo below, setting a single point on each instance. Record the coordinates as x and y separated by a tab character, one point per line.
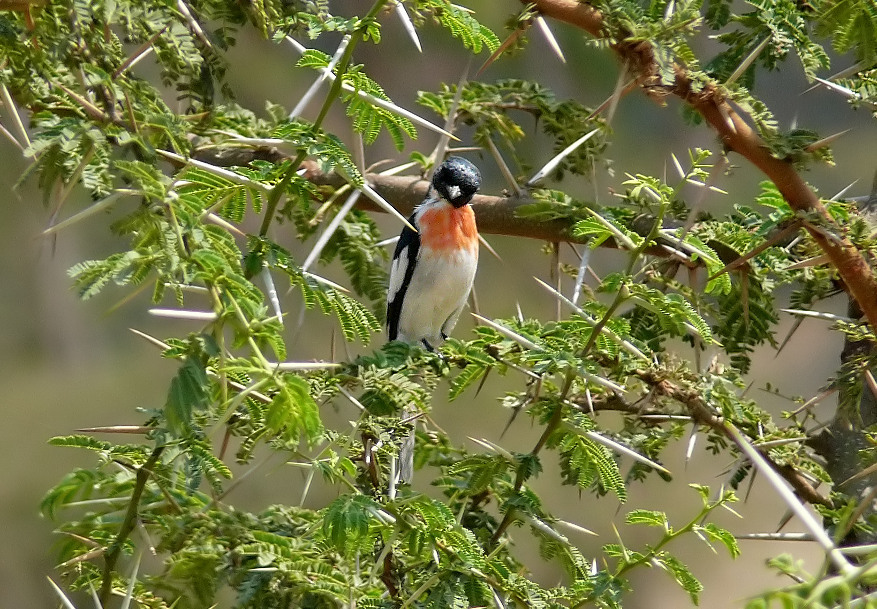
128	524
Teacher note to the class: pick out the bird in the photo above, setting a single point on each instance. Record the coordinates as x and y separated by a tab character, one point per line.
433	268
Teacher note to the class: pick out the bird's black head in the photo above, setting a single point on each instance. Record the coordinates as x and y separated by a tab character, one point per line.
457	180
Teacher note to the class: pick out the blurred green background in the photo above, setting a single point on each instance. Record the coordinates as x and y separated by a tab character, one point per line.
68	364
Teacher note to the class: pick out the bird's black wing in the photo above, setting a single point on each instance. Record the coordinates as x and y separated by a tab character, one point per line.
404	259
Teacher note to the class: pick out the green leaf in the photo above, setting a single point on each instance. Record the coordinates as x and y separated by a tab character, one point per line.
597	231
479	472
467	376
652	518
346	521
853	25
368	118
528	465
205	189
91	276
208	461
714	264
313	58
674	311
718	13
602	228
187	393
770	196
682	574
585	462
80	441
293	411
147	177
717	533
463	25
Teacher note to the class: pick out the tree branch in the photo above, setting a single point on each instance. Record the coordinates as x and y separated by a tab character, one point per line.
495	215
738	136
701	414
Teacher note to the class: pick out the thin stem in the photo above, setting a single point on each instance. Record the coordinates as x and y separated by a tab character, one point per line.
128	524
277	192
334	92
669	536
557	416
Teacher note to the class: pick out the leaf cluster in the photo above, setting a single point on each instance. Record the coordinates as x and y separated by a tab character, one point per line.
498	113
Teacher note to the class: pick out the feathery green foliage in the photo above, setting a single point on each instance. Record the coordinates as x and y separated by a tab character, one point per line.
214	201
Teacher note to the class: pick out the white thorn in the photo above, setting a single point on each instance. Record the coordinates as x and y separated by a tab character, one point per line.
190	19
386	242
90	211
744	65
408	25
64	600
503	166
220	221
554	162
7	101
272	293
381	103
599	380
508	333
184	314
291	366
692	440
372	194
838	88
619	236
819	315
330	230
678	166
220	171
844	190
549	36
580	275
621	448
325	281
493	447
806	518
312	90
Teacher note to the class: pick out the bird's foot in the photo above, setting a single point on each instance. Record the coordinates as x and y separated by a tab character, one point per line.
428	346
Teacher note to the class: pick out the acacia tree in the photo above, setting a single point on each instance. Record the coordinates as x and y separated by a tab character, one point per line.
206	188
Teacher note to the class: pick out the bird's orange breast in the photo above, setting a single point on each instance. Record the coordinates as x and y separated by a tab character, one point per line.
448	228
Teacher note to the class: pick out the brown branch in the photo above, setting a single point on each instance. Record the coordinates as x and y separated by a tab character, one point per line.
738	136
495	215
701	414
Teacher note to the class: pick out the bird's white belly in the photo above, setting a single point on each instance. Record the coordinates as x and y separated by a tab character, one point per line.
442	284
